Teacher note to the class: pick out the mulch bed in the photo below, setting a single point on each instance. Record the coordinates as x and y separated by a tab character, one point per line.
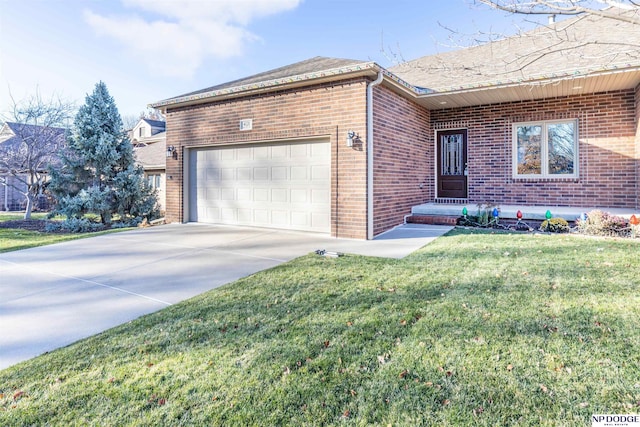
27	224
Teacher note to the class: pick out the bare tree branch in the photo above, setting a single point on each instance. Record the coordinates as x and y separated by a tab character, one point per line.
567	7
34	132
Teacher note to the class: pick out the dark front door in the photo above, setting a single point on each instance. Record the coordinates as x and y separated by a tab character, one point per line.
452	164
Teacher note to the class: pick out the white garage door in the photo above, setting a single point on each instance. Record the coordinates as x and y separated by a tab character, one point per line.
267	185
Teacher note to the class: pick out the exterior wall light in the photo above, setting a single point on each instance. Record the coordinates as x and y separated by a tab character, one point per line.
351	135
171	151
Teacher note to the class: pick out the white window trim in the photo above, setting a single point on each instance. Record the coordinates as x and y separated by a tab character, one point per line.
544	150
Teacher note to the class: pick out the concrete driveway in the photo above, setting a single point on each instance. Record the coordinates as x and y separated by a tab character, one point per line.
54	295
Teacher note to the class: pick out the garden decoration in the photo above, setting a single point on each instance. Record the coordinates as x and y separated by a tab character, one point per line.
633	222
483	221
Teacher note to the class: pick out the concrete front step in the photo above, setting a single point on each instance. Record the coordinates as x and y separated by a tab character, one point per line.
444	212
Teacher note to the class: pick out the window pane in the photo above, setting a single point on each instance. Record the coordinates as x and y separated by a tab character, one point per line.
529	150
157	181
561	148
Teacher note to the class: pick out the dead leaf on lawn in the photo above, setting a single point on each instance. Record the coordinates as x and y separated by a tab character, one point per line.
346	413
446	402
403	322
544	388
509	367
403	373
479	410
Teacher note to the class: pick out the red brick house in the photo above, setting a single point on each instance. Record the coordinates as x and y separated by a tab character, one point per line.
547	119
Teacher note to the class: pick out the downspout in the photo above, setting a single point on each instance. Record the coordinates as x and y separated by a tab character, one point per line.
376	82
3	181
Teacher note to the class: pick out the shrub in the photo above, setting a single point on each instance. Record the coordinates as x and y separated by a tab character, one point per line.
555	225
74	225
601	223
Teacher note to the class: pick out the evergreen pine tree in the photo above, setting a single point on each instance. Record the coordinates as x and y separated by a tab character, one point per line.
99	174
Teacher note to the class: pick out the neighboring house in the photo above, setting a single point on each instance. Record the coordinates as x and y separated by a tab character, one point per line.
347	147
149	141
26	146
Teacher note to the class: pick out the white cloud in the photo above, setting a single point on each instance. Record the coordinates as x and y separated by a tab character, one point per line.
182	33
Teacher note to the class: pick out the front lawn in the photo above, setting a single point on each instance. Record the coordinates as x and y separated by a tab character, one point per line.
474	329
13	239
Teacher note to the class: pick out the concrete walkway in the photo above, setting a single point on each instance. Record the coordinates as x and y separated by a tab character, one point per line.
54	295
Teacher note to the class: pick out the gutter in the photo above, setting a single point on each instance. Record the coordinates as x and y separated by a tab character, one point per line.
376	82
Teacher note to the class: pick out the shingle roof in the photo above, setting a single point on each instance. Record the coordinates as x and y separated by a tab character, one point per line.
15	133
310	69
155	123
312	65
581	45
152	155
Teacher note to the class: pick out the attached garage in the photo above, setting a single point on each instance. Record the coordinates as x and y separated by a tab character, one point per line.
276	185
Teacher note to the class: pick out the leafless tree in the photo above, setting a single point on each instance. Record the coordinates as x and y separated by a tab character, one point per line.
34	132
568	7
129	121
598	33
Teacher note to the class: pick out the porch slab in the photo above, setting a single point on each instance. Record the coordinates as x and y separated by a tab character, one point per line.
510	211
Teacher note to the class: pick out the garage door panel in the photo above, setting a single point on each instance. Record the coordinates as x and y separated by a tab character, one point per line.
320	197
299	195
299	173
261	195
320	221
300	219
210	193
279	151
245	174
245	215
320	173
213	213
228	194
227	154
271	185
260	174
279	173
260	153
299	150
279	195
244	194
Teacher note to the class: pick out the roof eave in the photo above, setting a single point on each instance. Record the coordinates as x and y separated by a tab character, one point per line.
369	69
537	88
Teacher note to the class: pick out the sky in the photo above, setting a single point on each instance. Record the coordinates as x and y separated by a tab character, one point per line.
149	50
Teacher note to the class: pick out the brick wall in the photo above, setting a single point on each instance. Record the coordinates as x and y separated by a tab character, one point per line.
403	158
607	151
325	111
638	147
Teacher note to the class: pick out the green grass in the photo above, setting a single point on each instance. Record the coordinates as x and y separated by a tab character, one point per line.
13	239
476	329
